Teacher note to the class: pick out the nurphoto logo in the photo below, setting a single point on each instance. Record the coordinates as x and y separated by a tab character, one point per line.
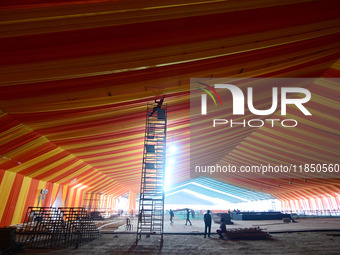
238	104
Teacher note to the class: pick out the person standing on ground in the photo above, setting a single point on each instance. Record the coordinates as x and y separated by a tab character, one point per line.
188	217
207	223
171	216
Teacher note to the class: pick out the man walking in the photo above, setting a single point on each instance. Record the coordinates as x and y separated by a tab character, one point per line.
171	216
188	217
207	223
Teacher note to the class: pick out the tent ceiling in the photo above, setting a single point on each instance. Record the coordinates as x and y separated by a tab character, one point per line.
186	198
76	77
216	189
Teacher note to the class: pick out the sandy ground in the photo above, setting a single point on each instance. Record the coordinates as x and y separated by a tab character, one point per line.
110	225
191	240
284	243
267	225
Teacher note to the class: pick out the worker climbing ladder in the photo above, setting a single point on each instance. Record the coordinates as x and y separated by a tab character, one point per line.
151	201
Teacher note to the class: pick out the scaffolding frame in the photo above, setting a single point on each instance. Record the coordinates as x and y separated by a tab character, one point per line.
51	227
151	200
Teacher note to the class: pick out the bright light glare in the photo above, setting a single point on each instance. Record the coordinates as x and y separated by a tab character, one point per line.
167	179
171	161
172	149
169	168
80	186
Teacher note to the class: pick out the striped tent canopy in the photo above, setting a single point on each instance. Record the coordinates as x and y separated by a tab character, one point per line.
216	189
76	77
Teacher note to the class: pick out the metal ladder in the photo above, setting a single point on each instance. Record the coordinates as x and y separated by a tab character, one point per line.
151	200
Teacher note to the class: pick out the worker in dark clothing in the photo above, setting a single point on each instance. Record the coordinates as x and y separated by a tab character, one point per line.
223	229
193	214
171	216
188	217
207	223
159	105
